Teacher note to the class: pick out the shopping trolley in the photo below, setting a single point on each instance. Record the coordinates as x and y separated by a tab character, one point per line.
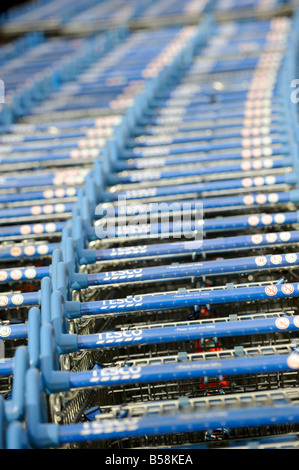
25	231
58	211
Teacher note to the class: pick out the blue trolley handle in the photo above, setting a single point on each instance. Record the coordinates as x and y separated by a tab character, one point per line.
106	377
245	201
17	252
167	334
212	245
23	274
194	270
189	299
32	229
6	368
28	299
198	188
11	332
198	226
151	175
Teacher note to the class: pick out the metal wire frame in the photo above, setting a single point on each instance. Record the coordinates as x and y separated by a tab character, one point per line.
5	386
195	178
203	403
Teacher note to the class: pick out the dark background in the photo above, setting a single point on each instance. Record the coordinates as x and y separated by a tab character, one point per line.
5	4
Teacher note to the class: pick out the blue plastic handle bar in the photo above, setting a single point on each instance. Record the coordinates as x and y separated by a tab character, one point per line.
139	152
220	109
29	211
38	228
50	146
166	334
178	300
198	188
198	136
151	175
17	252
275	120
25	129
226	66
213	114
50	179
180	118
11	332
23	274
6	368
188	158
216	245
106	377
249	200
55	193
143	141
50	157
23	182
176	272
206	225
71	134
28	299
218	118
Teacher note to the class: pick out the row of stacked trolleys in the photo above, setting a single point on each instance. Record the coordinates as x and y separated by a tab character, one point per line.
149	231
